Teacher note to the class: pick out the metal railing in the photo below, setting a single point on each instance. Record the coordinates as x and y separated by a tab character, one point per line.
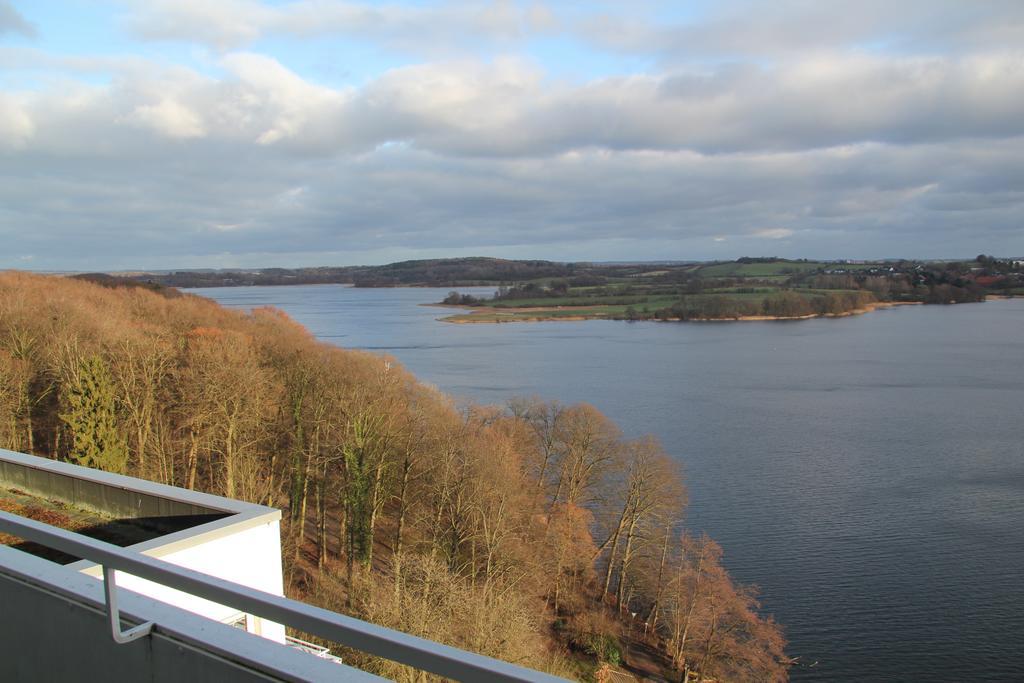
312	648
376	640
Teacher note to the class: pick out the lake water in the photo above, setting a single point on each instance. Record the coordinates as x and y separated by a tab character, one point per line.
866	472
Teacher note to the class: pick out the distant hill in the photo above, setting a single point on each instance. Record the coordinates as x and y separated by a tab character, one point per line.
468	271
116	282
485	271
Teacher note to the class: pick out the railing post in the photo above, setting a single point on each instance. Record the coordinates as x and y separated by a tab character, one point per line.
114	615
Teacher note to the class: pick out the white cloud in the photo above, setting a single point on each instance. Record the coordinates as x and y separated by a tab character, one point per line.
773	233
16	125
838	151
170	118
787	28
225	227
223	24
278	103
235	198
508	107
233	24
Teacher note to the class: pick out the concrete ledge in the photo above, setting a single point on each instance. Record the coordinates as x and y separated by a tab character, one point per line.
53	628
120	496
109	493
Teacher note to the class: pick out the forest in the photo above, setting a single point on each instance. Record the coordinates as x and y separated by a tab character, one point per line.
533	532
473	270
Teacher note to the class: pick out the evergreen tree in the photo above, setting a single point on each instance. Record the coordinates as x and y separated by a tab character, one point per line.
91	419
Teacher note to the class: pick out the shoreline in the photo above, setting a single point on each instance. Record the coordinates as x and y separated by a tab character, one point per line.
489	316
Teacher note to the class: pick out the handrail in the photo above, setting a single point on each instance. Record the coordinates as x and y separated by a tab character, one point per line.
311	648
114	614
383	642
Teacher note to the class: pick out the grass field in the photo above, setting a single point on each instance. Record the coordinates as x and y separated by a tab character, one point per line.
597	307
736	290
610	299
592	313
758	269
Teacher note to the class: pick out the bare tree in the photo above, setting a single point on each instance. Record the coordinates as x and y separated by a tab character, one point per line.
228	394
142	363
588	450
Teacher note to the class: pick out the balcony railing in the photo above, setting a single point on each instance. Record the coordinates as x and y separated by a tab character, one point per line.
312	648
376	640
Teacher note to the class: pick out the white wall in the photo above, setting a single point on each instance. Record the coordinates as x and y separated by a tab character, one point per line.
251	557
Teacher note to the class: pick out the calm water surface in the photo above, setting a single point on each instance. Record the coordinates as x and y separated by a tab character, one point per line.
867	472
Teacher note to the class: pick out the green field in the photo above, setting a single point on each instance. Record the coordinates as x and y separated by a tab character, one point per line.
613	306
759	270
610	299
595	313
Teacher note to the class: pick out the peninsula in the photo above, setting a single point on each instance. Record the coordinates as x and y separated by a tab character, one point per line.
749	288
746	289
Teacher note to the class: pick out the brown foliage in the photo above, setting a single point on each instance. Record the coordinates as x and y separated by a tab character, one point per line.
484	528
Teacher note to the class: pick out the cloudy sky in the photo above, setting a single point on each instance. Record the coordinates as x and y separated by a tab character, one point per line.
221	133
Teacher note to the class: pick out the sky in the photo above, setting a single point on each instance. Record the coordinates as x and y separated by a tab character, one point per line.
249	133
